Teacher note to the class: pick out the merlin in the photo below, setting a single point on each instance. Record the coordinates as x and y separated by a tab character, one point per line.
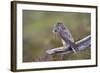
65	36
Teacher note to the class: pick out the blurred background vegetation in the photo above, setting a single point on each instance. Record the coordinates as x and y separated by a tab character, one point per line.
38	36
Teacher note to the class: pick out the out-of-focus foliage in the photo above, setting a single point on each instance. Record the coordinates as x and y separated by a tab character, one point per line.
38	36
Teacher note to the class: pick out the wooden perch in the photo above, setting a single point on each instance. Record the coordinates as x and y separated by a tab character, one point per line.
81	45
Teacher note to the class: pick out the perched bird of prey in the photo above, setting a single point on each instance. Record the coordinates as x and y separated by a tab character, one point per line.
65	35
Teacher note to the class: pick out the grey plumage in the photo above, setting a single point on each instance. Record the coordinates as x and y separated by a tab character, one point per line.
65	35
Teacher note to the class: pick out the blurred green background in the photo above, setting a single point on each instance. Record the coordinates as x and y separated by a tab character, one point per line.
38	36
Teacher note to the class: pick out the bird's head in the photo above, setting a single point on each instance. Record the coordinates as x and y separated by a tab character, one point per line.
58	27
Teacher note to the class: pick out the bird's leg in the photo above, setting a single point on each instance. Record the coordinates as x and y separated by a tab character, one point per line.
74	50
66	45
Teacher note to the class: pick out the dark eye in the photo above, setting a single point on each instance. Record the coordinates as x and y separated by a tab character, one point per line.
55	30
